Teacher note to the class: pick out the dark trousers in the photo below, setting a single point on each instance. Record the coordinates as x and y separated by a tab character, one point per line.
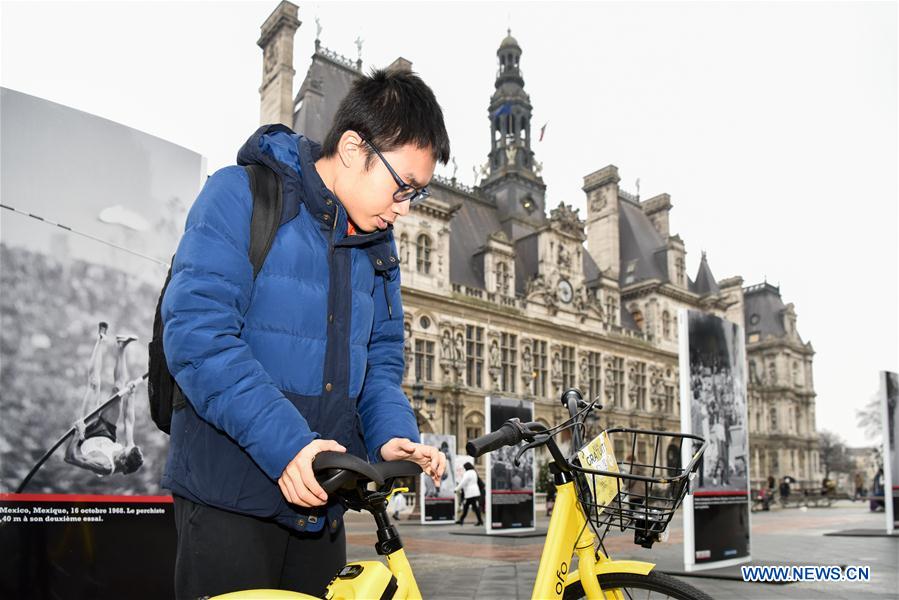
221	551
472	502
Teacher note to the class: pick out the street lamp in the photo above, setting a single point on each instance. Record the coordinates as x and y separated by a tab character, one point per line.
431	402
417	396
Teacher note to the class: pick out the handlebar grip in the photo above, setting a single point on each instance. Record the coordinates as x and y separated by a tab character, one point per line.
507	435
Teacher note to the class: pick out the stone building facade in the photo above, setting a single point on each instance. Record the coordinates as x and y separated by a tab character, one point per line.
505	297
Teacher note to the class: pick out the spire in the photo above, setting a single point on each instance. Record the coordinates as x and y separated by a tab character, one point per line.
705	281
510	114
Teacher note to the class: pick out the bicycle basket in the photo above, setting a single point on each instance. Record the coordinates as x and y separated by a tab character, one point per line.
647	489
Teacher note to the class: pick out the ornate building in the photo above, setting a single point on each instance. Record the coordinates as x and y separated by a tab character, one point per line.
503	297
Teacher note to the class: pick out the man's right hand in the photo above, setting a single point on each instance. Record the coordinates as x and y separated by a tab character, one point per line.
298	483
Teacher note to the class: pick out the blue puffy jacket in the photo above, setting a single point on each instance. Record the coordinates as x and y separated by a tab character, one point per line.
313	348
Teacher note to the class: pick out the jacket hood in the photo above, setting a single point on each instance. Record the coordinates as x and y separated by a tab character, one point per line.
292	157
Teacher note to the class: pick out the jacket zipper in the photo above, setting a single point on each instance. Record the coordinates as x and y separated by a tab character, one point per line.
384	275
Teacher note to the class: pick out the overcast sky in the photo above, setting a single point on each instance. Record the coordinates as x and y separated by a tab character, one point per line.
772	125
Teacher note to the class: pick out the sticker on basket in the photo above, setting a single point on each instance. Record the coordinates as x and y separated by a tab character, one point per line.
598	455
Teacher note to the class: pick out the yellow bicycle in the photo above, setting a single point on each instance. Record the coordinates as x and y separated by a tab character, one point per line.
644	499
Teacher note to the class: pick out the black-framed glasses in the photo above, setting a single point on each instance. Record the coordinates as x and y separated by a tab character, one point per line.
405	191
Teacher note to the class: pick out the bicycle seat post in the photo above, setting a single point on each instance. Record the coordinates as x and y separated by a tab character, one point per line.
388	537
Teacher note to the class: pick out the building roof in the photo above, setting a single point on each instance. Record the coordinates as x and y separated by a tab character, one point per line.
509	41
591	269
705	281
763	310
641	246
327	82
473	222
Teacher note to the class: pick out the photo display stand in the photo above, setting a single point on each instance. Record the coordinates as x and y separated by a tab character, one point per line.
439	504
713	406
510	488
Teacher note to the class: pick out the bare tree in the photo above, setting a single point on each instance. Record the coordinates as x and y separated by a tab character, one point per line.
833	454
870	418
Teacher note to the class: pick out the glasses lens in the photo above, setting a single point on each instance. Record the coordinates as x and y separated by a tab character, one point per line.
420	196
405	193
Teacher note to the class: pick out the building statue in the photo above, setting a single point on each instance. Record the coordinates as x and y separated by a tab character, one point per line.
446	346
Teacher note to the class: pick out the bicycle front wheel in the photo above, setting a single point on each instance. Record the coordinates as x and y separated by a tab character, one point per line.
633	586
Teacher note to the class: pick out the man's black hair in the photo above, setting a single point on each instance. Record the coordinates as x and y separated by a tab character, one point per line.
390	109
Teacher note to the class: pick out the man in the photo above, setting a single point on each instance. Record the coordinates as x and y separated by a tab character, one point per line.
95	445
307	357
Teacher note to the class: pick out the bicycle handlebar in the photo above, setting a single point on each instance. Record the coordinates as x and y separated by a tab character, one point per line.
507	435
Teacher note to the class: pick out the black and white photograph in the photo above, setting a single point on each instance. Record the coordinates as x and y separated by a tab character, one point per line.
84	255
510	487
718	403
439	503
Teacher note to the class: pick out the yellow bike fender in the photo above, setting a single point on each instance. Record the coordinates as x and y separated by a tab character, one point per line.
613	566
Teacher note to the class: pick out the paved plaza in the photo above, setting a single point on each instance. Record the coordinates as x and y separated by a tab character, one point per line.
456	567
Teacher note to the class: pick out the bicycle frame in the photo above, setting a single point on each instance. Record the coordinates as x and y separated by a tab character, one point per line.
399	565
568	530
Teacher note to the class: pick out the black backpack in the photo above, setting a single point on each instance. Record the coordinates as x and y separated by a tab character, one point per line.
165	395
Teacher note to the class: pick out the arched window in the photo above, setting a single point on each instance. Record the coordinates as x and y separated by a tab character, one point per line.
666	325
773	418
423	254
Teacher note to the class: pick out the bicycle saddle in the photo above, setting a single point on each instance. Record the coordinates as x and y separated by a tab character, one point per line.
340	470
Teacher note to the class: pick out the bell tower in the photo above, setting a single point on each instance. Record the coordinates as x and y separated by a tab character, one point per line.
513	178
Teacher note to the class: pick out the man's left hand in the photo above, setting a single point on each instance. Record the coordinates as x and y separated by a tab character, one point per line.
430	459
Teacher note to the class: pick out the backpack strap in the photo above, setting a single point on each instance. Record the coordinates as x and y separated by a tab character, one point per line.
267	206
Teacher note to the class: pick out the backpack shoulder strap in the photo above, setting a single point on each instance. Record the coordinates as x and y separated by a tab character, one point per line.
267	206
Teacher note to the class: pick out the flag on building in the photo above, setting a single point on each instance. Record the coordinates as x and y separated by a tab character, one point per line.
505	109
